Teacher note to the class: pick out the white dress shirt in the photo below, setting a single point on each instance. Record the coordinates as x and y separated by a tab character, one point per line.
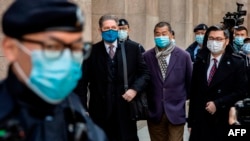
218	58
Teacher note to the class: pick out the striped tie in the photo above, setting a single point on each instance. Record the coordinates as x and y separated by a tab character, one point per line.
212	71
111	51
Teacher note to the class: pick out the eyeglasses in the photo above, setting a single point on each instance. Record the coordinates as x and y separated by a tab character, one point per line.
57	46
215	39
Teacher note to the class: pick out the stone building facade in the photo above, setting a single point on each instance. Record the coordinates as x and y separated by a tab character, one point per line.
142	15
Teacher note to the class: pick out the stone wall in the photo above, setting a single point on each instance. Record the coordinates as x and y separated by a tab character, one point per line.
3	63
183	15
142	15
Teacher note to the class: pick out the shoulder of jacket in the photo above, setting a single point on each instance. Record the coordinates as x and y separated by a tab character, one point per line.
132	43
149	51
98	44
181	50
192	46
237	55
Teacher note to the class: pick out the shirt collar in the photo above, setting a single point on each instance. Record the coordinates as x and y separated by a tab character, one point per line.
107	44
218	58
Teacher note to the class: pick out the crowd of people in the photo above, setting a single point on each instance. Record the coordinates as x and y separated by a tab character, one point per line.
56	91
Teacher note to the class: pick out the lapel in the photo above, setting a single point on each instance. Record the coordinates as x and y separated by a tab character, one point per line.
102	56
118	54
172	61
224	69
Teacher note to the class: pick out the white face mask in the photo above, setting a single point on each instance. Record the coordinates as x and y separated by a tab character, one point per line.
215	46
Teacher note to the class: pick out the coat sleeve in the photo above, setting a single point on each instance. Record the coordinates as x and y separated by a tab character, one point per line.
192	96
189	70
142	73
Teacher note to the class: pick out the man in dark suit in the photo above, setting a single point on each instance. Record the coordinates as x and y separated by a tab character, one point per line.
103	75
170	69
218	81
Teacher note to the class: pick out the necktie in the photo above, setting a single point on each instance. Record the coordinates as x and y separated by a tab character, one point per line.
111	51
212	71
163	66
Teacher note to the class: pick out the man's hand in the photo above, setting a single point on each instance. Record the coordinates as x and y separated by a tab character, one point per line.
129	95
210	107
232	116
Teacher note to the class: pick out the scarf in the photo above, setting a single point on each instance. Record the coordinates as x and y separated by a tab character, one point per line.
161	57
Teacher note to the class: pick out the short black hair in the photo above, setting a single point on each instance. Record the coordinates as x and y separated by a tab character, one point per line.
173	33
219	28
162	24
240	28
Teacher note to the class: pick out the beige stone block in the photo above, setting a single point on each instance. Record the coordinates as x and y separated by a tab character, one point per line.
151	22
181	36
3	67
164	10
108	6
135	6
152	7
96	35
138	29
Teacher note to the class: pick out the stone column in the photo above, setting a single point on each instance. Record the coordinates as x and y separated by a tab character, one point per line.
3	62
152	18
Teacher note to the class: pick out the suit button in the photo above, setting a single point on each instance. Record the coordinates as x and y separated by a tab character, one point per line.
219	91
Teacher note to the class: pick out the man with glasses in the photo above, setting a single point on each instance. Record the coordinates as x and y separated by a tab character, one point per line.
44	46
103	76
218	81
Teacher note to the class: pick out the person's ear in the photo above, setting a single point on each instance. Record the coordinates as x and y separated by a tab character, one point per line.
227	41
10	49
129	30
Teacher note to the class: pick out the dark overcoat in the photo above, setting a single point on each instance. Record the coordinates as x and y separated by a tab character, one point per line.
228	85
105	105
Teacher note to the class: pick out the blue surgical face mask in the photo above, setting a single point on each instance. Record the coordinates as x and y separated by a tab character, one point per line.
122	34
246	48
52	79
239	40
162	41
110	35
199	39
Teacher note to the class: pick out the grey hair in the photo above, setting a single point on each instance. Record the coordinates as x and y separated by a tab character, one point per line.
108	17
